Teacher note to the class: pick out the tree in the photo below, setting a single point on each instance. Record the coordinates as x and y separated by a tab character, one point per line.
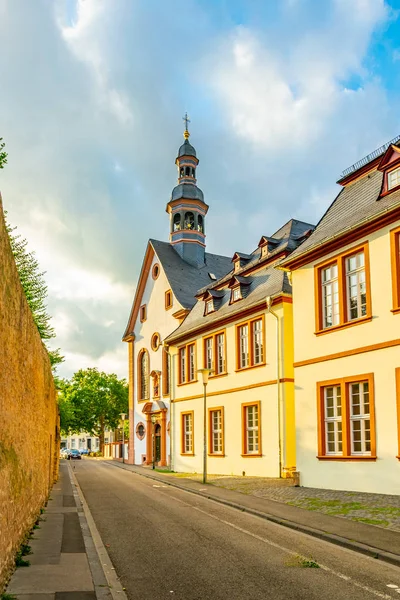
91	401
35	288
3	154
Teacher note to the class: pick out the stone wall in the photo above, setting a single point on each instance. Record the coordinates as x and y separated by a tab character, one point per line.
29	422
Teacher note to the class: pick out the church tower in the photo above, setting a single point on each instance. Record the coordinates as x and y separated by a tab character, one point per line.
186	208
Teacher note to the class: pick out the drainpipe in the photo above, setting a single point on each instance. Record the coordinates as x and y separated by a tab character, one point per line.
171	407
278	380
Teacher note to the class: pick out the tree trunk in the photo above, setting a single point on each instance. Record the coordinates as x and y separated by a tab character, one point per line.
101	436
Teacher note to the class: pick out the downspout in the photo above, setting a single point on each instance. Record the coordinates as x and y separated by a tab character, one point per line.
171	407
278	380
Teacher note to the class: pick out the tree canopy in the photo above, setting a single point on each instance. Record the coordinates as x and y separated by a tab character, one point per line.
3	154
92	401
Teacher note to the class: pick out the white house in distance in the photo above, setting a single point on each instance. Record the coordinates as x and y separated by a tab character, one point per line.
171	274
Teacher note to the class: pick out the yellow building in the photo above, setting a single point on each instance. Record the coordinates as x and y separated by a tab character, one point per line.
241	329
346	311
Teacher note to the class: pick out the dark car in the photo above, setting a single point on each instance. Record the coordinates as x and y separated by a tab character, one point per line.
74	455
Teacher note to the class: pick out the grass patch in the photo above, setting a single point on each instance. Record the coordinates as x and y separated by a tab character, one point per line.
380	522
164	470
331	507
302	562
7	597
24	550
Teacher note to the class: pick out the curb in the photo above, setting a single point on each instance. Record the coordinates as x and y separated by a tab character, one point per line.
100	563
371	551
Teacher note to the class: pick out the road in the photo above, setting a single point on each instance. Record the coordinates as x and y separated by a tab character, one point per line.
167	543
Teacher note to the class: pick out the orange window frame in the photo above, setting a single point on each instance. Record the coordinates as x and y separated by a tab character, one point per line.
213	337
143	313
340	259
250	324
139	376
210	441
168	299
245	453
395	264
183	415
344	384
185	349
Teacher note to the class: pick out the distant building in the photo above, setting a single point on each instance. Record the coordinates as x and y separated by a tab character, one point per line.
80	441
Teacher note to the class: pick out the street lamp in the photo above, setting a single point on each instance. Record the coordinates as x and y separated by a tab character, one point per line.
154	420
123	417
205	373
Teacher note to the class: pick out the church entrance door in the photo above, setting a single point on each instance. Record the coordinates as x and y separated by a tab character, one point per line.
158	442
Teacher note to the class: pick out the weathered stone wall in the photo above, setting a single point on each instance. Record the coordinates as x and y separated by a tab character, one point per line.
29	422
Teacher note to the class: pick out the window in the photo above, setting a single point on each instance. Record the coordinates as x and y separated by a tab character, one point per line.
165	373
189	220
187	364
216	431
393	178
143	375
140	431
200	225
250	343
214	353
251	429
209	306
346	420
155	341
155	271
177	222
143	313
168	299
187	433
236	294
395	260
343	290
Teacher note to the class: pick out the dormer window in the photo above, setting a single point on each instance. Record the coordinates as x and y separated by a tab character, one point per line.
236	294
393	178
209	306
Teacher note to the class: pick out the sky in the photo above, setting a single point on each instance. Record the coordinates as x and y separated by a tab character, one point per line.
283	95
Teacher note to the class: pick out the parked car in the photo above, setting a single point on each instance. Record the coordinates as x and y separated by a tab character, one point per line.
64	452
74	455
84	451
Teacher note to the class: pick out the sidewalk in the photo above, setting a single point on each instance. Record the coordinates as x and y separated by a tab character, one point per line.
368	539
64	564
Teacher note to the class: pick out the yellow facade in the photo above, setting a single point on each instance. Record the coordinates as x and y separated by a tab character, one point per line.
368	347
231	392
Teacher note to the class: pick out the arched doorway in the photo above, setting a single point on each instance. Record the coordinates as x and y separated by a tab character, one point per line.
157	442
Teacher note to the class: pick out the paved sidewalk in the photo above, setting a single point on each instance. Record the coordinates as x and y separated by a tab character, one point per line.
367	539
64	564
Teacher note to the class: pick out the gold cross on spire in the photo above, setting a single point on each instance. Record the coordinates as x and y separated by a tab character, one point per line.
186	133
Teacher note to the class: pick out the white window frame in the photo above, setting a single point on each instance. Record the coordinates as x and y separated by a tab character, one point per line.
244	347
330	295
357	275
335	422
187	425
209	306
209	352
236	294
393	181
182	364
364	418
258	338
220	353
191	362
252	430
216	431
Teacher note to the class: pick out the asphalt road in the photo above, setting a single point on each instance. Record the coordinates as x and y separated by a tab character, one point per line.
167	543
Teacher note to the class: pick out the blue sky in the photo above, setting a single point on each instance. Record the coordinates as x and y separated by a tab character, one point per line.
282	94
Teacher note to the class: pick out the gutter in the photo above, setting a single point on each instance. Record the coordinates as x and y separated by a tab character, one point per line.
269	301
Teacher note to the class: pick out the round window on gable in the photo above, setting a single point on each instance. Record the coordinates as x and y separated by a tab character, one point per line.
156	271
155	341
140	431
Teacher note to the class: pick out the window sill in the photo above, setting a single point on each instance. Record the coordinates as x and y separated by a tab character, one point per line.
211	455
218	375
188	382
348	458
168	307
142	401
187	453
263	364
359	321
395	311
258	455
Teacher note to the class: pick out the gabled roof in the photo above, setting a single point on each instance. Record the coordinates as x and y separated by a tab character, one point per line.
266	282
184	279
355	205
288	236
